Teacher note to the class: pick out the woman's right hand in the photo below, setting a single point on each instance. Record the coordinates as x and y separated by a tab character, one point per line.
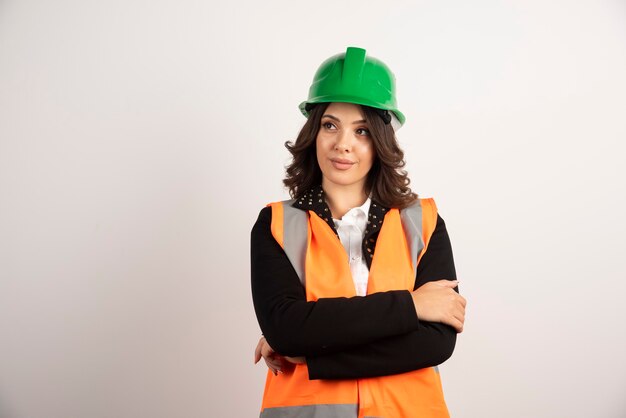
273	360
437	301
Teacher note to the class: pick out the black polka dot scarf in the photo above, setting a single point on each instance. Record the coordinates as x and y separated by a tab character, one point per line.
314	200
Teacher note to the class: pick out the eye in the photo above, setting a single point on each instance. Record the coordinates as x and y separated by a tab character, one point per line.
328	125
363	131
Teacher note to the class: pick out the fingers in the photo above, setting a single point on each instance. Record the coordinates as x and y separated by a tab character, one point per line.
257	350
456	321
275	361
272	368
459	316
296	360
439	301
274	364
272	359
448	283
458	325
266	350
454	313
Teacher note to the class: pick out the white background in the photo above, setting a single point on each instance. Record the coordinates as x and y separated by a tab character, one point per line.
139	140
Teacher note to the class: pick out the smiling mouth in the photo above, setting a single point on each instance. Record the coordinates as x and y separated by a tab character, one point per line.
341	164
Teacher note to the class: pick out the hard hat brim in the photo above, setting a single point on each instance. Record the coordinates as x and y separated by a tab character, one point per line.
354	100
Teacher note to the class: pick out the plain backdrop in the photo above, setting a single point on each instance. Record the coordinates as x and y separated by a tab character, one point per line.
140	139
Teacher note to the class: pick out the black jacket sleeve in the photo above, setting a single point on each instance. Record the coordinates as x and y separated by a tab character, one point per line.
431	344
295	327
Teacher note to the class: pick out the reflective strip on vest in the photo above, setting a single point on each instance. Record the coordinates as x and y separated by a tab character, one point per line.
313	249
313	411
295	234
412	225
295	230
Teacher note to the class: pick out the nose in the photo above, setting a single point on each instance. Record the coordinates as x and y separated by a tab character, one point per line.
344	142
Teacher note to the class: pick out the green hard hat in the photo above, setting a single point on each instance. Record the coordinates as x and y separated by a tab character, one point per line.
352	77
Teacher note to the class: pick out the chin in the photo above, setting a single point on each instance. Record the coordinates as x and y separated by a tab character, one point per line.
344	180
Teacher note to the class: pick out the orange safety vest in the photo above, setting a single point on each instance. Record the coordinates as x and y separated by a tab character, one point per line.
315	251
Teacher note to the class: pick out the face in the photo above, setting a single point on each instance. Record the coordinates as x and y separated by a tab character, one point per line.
345	152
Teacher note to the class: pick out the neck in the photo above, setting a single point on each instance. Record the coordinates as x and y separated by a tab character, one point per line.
341	199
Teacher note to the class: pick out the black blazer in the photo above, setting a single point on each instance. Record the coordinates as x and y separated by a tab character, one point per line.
345	338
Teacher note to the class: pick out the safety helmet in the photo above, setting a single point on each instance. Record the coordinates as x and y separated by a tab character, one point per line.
353	77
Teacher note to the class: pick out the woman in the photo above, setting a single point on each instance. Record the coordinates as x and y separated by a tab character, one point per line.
353	280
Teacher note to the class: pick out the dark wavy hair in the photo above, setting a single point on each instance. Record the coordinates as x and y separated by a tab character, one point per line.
387	182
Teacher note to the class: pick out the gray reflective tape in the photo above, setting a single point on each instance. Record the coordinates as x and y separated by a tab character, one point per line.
295	229
412	224
313	411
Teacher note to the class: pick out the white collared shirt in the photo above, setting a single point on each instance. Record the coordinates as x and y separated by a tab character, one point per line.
351	229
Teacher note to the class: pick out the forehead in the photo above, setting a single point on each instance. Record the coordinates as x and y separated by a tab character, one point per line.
345	112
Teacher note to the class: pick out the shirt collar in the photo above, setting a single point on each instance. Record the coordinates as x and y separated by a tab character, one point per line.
315	200
356	212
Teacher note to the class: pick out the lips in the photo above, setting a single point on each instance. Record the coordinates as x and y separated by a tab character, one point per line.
341	163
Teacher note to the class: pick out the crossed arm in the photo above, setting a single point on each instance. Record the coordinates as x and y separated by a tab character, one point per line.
374	335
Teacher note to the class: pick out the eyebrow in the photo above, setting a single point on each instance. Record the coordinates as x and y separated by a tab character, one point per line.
327	115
